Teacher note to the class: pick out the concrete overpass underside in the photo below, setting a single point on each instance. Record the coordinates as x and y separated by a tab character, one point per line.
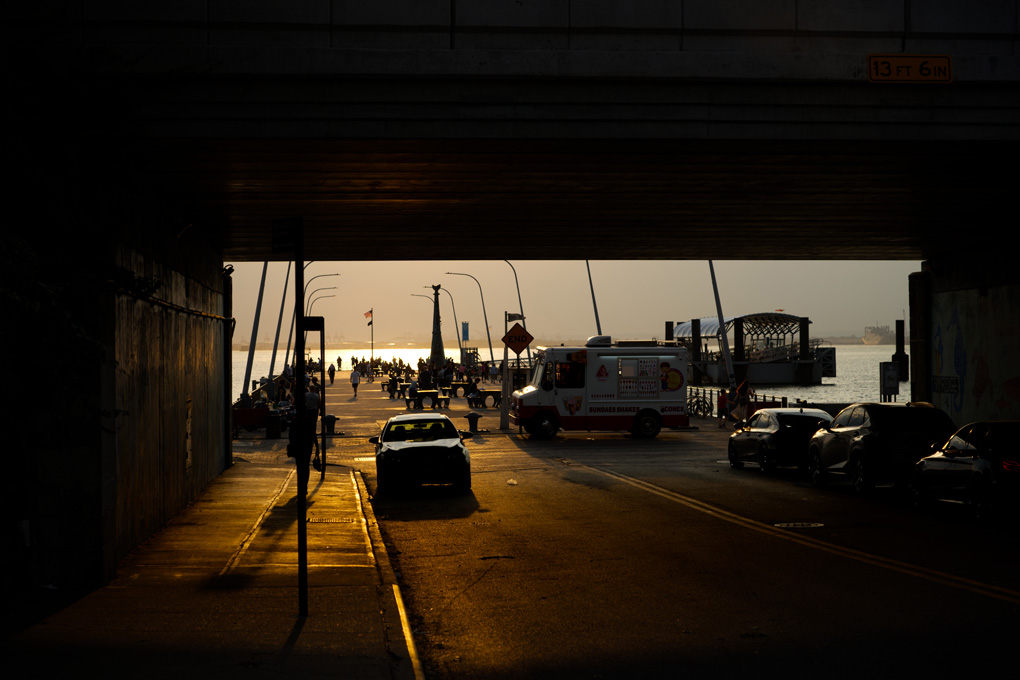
597	199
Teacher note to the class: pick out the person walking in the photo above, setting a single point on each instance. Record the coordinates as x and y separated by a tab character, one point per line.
740	412
355	380
312	401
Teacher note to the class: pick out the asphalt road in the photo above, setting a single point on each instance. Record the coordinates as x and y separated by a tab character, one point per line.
601	556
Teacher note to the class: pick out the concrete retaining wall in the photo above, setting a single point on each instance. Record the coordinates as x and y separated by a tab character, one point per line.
971	366
169	393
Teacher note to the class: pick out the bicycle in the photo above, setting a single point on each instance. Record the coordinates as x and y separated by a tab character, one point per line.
699	405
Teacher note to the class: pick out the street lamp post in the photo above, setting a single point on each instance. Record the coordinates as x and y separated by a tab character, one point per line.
521	305
595	306
316	300
492	357
308	307
304	296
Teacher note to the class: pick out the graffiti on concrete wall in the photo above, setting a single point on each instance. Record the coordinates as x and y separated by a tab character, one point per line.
975	371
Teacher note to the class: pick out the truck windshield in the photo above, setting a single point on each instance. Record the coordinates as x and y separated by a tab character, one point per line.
538	371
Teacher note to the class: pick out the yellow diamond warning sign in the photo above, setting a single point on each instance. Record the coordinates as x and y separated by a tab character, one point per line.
517	338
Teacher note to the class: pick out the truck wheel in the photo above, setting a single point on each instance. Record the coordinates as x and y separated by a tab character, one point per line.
542	426
647	424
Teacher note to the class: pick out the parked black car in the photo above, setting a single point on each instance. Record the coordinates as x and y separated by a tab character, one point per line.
979	465
877	443
775	436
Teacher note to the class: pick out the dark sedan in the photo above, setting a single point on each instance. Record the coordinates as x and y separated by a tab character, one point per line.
775	436
979	466
876	443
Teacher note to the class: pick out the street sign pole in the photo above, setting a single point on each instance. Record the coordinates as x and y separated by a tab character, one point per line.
517	339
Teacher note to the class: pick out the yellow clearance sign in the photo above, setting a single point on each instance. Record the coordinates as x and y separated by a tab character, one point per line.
910	68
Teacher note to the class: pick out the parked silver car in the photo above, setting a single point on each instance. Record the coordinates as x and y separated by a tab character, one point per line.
979	466
875	443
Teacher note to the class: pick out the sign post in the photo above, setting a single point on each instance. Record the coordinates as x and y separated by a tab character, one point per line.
517	339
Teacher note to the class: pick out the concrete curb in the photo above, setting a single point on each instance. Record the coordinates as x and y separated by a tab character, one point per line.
399	638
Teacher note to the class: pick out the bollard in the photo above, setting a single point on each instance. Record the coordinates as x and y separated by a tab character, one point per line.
273	426
473	421
330	421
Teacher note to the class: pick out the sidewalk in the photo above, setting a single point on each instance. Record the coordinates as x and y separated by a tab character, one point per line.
215	593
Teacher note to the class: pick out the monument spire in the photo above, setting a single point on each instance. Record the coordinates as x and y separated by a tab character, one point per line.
438	356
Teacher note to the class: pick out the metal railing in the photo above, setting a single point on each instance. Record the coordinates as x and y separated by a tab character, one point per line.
703	402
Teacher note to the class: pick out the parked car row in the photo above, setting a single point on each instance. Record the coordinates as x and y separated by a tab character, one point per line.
913	445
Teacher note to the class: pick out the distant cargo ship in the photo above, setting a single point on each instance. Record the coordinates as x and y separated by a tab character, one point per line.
878	335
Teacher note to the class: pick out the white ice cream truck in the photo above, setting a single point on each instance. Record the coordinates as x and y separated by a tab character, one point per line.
603	386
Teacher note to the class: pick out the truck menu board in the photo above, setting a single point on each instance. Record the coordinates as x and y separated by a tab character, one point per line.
639	378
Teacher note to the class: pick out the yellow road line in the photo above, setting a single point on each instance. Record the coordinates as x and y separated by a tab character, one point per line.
959	582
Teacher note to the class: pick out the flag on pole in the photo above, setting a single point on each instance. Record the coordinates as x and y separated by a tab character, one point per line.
510	316
368	315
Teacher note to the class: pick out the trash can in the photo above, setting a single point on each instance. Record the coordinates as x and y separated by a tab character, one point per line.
273	426
330	421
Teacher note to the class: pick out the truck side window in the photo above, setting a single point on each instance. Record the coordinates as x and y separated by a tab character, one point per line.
569	374
544	376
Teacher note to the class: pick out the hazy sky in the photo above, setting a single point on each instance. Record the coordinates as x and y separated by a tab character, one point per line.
634	297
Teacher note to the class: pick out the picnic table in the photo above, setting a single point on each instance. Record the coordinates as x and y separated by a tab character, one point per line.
458	385
439	398
483	395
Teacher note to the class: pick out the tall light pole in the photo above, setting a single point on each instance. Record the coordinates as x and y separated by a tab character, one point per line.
308	307
598	324
304	290
309	313
722	329
279	327
521	305
492	357
309	302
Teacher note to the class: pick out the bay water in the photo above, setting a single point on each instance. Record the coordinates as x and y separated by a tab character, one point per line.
857	371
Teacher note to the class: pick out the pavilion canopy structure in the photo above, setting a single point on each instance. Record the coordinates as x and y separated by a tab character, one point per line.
771	328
